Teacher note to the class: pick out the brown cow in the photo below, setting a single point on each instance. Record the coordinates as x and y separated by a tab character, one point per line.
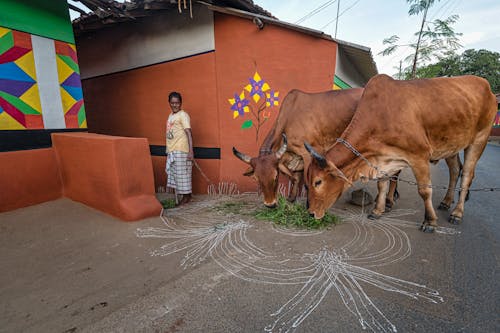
317	118
406	123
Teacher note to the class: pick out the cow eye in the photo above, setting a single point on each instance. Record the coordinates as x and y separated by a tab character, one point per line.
317	183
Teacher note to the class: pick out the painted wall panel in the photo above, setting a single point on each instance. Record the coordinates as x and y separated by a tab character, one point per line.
135	103
40	17
40	85
146	41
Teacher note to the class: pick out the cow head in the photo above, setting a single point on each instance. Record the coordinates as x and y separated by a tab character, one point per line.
325	183
265	170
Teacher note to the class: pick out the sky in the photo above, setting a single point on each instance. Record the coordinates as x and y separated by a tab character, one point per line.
368	22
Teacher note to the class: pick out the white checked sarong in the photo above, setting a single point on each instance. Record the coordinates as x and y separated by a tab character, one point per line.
179	172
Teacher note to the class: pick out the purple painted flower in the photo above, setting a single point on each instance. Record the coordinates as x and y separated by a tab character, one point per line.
272	98
239	105
257	87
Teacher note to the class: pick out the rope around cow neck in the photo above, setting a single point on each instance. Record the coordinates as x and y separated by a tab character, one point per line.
389	177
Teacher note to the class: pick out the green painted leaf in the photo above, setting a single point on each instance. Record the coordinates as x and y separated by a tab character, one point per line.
247	124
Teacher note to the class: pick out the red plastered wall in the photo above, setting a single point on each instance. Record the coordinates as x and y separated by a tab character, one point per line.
28	177
284	58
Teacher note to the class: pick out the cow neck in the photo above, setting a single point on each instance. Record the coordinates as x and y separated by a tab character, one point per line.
344	158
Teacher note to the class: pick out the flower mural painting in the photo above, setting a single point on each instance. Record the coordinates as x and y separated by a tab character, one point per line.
257	90
239	105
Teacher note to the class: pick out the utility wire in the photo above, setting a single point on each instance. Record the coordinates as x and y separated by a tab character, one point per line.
315	11
335	19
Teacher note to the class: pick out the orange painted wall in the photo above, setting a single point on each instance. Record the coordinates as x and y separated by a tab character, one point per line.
110	173
28	177
284	58
135	103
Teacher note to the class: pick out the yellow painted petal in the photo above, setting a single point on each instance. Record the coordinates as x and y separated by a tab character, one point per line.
231	101
265	87
246	109
277	93
268	104
248	87
256	77
242	95
256	98
235	114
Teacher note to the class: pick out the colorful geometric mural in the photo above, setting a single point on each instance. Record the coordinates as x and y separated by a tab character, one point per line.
20	94
19	97
257	89
339	84
496	122
71	86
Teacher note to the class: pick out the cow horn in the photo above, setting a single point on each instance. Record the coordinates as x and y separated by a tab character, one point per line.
241	156
282	149
319	158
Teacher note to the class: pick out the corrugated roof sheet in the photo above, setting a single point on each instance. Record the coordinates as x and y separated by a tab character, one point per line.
108	12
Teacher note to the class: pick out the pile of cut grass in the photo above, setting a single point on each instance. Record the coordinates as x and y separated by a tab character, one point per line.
167	203
294	215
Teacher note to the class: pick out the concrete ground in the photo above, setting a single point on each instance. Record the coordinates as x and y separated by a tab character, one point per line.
212	267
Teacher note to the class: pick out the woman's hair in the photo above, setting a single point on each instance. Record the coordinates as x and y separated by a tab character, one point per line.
175	94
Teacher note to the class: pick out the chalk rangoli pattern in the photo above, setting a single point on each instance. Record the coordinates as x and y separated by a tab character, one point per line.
333	271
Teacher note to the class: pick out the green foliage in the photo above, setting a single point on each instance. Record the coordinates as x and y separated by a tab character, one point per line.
294	215
234	207
168	203
483	63
434	39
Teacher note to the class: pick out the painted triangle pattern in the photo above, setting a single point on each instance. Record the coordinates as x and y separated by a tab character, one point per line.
70	85
20	103
19	97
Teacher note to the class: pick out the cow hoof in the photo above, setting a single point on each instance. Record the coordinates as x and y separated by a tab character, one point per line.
373	216
454	220
443	206
427	228
388	207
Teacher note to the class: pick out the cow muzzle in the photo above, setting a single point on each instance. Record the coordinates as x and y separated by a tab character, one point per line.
270	205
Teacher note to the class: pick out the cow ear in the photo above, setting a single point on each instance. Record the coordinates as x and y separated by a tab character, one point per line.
249	172
333	170
285	170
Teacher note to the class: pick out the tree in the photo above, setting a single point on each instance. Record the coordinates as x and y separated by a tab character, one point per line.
483	63
433	39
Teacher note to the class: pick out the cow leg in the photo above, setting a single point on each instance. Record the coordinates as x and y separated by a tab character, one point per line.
422	174
379	209
297	182
471	156
393	193
454	168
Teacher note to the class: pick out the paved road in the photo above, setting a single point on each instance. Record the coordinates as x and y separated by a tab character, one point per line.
68	268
